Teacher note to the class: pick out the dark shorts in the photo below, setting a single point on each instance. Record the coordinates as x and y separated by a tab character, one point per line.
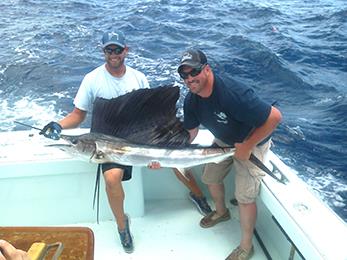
127	169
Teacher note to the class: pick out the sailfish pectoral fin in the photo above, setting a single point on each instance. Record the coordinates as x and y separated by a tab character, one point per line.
98	155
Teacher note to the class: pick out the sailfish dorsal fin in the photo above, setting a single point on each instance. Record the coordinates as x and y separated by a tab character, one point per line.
144	116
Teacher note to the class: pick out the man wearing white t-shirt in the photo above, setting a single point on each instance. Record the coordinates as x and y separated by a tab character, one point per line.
110	80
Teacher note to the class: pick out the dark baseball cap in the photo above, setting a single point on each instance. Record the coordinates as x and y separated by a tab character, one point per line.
114	37
194	58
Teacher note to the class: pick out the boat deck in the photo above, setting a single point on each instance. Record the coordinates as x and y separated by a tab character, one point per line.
170	230
40	180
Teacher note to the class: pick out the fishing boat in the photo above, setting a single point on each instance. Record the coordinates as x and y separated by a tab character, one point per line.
42	186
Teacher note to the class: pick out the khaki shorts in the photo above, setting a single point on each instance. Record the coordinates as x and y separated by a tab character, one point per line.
247	175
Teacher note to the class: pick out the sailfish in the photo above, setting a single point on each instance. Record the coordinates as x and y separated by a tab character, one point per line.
138	128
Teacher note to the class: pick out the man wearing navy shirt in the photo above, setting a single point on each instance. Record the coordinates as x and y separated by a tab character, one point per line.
237	117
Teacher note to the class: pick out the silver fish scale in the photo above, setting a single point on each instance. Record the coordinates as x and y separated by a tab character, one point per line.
137	155
98	148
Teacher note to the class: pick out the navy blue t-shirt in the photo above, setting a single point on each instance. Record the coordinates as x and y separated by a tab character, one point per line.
230	113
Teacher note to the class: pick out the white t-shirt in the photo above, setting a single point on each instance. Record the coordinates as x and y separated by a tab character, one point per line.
100	83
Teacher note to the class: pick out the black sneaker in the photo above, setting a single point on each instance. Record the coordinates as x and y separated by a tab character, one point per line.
201	204
126	238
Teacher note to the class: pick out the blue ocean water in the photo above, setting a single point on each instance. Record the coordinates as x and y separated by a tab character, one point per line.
293	52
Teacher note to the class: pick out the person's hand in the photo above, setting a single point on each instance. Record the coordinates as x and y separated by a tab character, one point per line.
242	151
154	165
9	252
52	131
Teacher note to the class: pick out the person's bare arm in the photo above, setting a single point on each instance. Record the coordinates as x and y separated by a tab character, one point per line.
74	119
9	252
243	150
193	133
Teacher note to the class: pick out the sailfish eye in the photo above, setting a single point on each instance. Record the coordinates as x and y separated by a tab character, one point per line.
74	140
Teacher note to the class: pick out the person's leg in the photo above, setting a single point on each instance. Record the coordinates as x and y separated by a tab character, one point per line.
114	175
246	188
195	194
115	194
248	217
222	212
217	192
189	181
247	185
213	176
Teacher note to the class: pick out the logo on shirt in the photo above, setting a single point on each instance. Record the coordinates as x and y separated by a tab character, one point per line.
221	117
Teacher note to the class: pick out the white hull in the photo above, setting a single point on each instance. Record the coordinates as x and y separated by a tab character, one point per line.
42	186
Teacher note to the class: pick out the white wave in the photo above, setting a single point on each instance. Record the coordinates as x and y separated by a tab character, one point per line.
29	54
327	187
26	109
296	131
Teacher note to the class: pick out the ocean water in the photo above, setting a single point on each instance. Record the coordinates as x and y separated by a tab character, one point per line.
293	52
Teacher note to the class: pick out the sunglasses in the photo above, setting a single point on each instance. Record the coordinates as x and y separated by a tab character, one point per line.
117	50
193	73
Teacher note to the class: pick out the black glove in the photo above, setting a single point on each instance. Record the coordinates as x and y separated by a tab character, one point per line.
52	131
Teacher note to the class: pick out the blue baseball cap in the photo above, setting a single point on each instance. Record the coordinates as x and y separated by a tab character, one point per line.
114	37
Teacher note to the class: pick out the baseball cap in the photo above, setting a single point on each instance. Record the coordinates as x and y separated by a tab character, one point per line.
194	58
114	37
